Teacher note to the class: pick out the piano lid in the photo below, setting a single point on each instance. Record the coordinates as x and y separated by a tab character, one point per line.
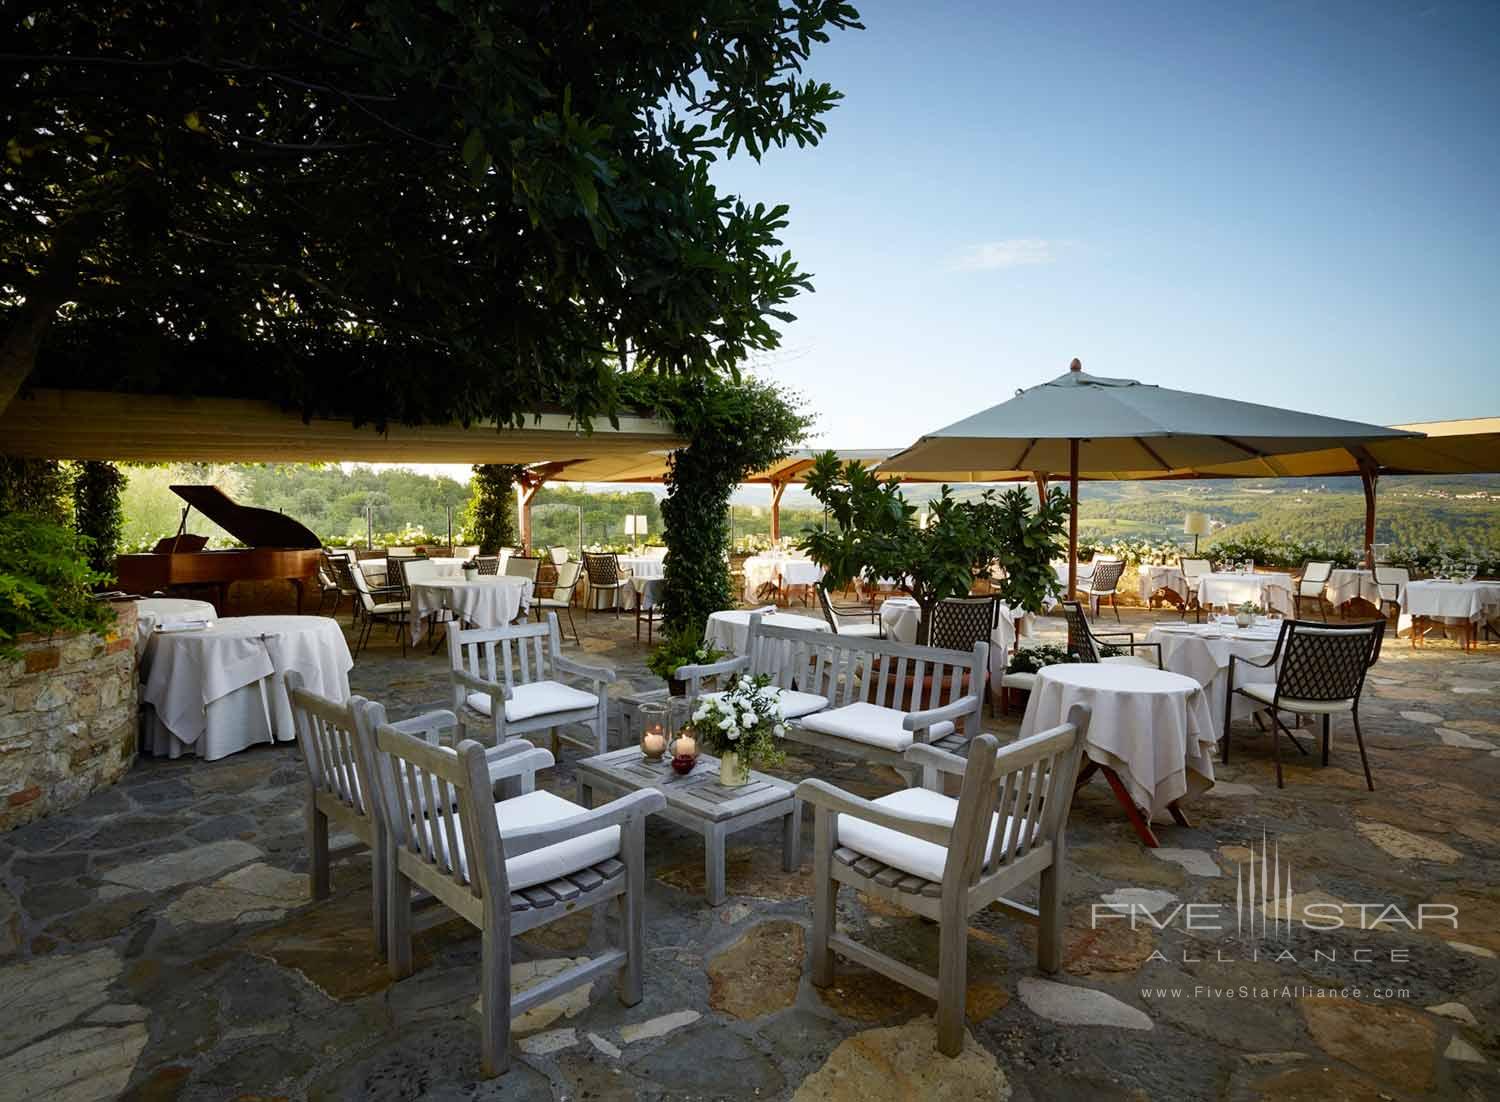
251	526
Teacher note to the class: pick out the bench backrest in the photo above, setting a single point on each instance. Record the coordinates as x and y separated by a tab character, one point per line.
848	669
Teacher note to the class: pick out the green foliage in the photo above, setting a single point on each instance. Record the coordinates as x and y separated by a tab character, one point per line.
1023	541
1280	552
96	511
684	648
491	516
733	428
1031	658
399	210
35	486
46	580
555	516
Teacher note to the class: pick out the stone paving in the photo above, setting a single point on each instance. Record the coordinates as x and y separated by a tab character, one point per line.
157	942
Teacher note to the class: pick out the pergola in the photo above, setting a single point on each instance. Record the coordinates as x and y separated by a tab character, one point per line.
58	424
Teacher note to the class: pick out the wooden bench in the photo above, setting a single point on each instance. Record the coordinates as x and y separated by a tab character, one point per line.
866	698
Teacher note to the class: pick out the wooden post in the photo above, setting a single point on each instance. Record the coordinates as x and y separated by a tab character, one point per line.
1040	478
777	489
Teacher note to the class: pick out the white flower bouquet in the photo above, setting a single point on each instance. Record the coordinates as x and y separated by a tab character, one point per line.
746	719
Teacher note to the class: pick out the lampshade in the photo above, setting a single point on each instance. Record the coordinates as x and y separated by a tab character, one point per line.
1195	524
630	524
640	524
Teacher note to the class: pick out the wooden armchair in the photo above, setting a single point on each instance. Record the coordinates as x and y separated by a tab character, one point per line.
514	679
506	868
945	859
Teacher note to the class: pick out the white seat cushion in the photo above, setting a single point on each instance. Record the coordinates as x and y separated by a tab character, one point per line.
870	724
902	851
1265	692
1018	679
550	862
859	631
794	705
537	699
387	607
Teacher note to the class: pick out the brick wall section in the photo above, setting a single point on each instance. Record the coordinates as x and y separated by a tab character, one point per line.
68	721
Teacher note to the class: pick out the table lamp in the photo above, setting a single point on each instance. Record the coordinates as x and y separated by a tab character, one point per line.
1195	525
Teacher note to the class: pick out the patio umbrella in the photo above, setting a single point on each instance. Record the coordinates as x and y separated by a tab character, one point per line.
1084	426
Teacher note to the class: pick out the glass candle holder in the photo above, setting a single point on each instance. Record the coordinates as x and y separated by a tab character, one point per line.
656	730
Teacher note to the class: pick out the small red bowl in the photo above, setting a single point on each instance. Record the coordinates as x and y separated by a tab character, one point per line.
683	763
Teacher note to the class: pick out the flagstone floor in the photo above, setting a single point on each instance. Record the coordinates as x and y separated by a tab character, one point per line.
157	942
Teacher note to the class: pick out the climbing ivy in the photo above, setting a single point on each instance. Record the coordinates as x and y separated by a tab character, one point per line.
734	428
96	511
491	515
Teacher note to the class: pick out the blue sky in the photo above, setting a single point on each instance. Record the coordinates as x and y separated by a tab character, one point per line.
1290	203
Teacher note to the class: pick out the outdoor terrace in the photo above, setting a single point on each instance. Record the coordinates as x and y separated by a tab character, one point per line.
158	939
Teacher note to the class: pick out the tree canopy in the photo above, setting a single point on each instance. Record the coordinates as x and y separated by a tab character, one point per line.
394	210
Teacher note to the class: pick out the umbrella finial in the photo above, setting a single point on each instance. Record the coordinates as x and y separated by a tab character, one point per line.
1076	365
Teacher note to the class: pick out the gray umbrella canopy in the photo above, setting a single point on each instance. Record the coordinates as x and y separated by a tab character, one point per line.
1125	430
1083	426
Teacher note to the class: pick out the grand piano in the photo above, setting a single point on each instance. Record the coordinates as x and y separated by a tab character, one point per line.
278	549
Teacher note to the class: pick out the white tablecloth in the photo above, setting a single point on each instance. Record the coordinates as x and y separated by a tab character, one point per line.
166	610
1451	602
1346	585
1155	576
729	630
1230	590
788	570
899	617
217	691
437	567
489	601
1201	651
1151	727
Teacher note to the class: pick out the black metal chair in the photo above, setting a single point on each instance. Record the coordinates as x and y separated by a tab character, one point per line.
489	565
960	622
834	615
605	576
1090	646
1320	671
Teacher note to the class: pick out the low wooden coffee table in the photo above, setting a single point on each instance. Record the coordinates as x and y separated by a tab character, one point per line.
700	803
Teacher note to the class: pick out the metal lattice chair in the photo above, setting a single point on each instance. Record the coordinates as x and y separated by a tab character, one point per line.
1320	671
1310	585
605	577
1103	582
343	576
488	565
1090	646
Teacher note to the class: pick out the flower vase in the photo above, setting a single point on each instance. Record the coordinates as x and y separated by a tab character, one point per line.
733	771
470	573
1244	619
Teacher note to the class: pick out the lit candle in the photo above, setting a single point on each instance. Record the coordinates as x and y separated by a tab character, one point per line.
685	747
654	744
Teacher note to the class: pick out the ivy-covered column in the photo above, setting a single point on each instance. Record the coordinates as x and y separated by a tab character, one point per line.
491	521
96	511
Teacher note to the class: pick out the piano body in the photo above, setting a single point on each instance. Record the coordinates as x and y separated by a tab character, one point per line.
279	549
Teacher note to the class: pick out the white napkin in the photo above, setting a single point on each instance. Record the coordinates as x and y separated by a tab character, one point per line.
185	625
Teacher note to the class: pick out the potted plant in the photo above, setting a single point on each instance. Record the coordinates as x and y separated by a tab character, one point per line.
470	570
742	727
683	649
1245	615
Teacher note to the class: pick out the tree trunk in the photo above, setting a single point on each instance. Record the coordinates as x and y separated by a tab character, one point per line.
18	351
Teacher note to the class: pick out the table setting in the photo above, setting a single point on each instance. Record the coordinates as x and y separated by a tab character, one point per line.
1202	652
168	614
215	691
485	601
1233	588
1152	733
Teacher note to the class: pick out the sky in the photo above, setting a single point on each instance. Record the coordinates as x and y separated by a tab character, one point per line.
1290	203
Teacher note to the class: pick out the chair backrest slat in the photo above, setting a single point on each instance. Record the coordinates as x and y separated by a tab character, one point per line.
326	734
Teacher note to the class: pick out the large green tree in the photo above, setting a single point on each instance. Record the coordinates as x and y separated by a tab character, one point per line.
395	209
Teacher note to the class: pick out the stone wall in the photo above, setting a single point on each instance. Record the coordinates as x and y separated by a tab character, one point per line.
67	719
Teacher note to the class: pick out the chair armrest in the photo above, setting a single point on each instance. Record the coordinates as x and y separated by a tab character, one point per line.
512	746
495	690
825	797
1143	646
593	673
930	757
1233	658
1129	636
636	805
427	725
712	669
956	709
523	761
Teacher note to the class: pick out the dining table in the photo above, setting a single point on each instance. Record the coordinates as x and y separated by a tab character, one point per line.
1151	734
1202	652
780	569
1346	584
1462	605
170	614
484	601
900	617
215	691
1232	588
729	630
1155	578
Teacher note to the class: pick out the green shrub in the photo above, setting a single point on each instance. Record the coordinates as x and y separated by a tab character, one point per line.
46	581
96	511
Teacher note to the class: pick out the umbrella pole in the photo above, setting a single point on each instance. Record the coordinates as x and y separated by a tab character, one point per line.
1072	520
